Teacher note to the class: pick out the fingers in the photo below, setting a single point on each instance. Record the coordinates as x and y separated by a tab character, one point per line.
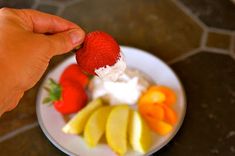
64	35
65	41
41	22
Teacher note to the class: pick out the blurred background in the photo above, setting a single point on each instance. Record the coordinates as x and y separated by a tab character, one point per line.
195	37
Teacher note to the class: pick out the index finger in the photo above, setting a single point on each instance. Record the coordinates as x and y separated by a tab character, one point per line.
41	22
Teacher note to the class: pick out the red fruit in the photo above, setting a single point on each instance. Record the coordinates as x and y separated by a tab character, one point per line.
68	97
73	73
99	49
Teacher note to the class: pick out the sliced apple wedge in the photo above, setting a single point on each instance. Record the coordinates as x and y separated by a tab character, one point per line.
116	129
77	123
139	133
95	126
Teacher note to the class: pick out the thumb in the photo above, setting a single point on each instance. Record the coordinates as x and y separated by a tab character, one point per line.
63	42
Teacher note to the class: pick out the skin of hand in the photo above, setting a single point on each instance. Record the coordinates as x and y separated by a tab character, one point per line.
28	40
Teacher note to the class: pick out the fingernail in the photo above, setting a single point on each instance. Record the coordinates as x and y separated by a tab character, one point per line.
76	36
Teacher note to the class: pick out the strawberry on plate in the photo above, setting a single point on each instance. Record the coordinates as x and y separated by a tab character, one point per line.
100	55
74	73
67	97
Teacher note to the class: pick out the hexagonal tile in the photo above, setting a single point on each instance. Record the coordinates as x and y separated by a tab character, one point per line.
157	26
31	142
218	40
22	115
208	128
214	13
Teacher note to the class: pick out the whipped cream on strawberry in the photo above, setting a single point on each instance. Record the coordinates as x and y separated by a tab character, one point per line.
126	90
100	55
112	73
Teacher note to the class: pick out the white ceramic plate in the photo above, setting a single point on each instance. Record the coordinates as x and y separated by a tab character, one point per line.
52	122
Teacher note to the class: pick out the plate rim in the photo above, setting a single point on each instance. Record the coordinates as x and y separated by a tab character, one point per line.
177	128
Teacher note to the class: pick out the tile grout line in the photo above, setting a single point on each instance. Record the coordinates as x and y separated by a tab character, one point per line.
203	40
230	33
72	2
18	131
184	56
232	47
63	6
60	5
60	10
221	31
189	13
215	50
231	44
35	5
206	30
52	3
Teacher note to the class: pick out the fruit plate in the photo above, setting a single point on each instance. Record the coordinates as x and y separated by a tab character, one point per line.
51	122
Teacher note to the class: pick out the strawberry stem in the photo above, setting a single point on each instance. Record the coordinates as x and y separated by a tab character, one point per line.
54	90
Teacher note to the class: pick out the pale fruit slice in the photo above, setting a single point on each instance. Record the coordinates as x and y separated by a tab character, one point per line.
116	129
95	126
77	123
139	133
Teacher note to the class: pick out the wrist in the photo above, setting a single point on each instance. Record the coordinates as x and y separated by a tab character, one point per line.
10	93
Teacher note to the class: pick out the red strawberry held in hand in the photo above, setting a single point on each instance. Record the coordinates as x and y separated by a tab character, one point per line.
67	97
99	50
74	73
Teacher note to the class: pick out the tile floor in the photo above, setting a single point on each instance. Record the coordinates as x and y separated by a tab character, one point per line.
195	37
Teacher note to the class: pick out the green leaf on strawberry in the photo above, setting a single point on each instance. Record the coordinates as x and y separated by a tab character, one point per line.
68	95
54	90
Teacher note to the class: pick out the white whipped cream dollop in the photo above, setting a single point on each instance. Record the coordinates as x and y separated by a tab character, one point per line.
126	90
112	72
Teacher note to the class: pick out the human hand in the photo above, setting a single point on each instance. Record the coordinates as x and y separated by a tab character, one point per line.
29	39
